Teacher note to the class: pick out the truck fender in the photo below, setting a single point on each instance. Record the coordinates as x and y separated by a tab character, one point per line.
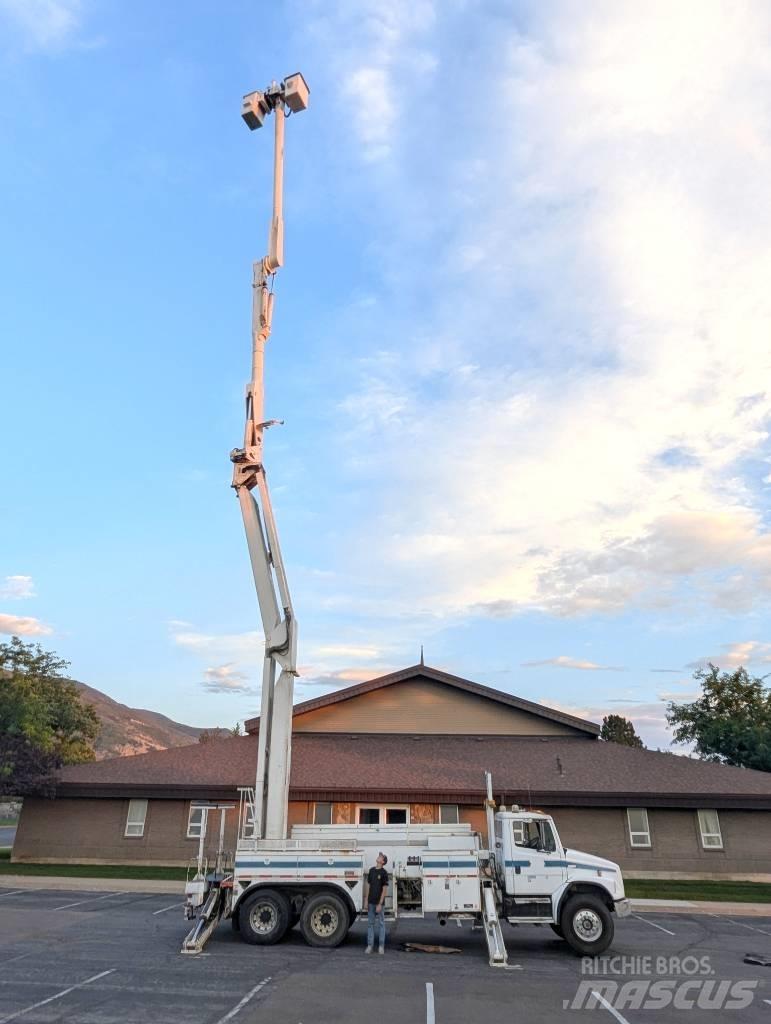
573	885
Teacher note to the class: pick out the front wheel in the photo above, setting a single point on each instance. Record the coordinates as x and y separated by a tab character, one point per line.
264	918
557	930
324	920
586	924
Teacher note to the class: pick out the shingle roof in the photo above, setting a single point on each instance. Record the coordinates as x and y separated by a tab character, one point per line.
435	674
528	770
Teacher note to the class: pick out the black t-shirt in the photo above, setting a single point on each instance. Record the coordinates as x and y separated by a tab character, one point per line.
378	880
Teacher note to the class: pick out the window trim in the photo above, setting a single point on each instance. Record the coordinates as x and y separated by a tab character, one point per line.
457	814
704	834
328	803
135	822
191	810
646	833
382	808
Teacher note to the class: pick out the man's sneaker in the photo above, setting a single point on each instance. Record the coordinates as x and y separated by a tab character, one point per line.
368	950
381	950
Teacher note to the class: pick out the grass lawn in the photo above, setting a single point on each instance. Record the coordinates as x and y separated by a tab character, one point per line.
657	888
89	870
9	821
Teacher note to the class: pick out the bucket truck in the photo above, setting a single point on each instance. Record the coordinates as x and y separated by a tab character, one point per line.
518	872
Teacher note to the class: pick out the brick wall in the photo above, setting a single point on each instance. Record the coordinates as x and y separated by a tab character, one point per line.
92	832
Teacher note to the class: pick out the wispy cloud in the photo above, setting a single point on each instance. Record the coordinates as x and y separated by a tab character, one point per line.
43	24
226	679
376	49
746	652
235	646
572	407
648	718
563	661
16	588
19	625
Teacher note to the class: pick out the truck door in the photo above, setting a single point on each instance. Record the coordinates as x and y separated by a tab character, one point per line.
536	866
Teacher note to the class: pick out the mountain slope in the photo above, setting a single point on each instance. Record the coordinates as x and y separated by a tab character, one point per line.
126	730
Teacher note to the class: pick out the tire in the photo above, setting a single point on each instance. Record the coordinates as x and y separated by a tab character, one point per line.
557	930
324	920
264	917
234	922
586	924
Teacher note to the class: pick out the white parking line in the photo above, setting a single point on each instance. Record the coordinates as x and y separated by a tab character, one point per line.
64	992
91	899
603	1002
653	924
168	908
238	1006
751	927
14	959
430	1018
741	924
14	892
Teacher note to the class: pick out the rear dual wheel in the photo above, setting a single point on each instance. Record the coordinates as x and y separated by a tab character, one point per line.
263	918
324	920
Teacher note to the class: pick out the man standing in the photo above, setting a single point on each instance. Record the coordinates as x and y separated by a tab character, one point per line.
377	885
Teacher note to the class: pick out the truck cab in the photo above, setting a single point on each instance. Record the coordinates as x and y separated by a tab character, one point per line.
543	882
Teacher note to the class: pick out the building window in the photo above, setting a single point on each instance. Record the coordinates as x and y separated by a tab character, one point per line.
448	814
639	830
709	826
322	814
195	822
369	814
135	819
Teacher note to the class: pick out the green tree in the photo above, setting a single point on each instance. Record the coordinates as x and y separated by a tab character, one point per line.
730	722
617	729
43	722
236	730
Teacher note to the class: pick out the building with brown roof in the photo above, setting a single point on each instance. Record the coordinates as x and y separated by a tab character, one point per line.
413	746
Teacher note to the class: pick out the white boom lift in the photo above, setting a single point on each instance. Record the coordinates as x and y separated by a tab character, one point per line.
519	871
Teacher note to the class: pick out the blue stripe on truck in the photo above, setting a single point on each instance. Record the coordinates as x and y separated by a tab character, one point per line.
298	864
449	863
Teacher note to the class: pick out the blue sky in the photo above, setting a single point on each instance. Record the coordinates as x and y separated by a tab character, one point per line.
520	344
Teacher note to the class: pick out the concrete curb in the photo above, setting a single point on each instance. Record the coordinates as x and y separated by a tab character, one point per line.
701	907
56	882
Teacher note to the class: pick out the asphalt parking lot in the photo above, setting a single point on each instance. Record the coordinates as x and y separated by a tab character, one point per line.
113	958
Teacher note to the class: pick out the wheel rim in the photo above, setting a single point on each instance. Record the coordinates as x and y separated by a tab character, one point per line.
587	925
324	920
263	918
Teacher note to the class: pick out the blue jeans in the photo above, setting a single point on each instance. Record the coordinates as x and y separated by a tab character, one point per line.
372	916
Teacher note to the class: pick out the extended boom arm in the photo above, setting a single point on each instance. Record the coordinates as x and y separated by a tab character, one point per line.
251	486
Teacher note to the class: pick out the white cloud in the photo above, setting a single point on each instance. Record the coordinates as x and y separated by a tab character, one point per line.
563	661
376	49
364	652
741	653
574	425
43	24
17	588
648	718
226	679
19	625
234	646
